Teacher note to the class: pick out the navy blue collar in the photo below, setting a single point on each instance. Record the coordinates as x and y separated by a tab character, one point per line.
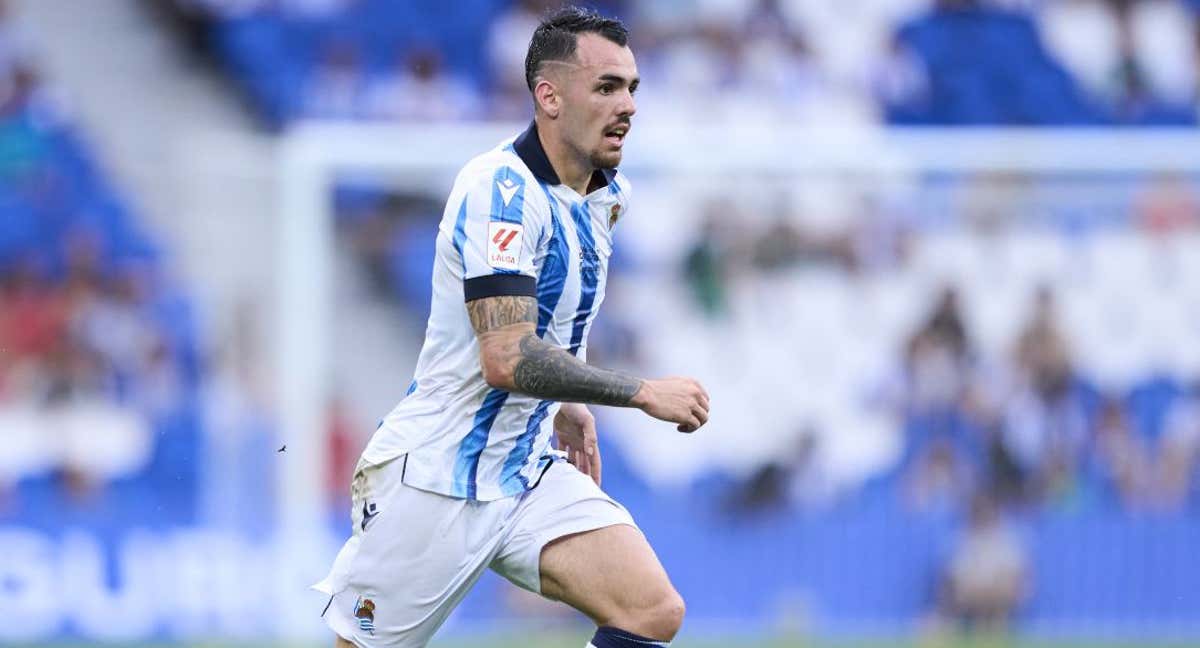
529	149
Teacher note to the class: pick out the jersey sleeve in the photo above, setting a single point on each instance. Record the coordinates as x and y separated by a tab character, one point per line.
496	232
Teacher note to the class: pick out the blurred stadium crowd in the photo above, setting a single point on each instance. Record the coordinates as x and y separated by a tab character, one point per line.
1069	390
951	62
98	356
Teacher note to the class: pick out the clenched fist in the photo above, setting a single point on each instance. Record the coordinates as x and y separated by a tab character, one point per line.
678	400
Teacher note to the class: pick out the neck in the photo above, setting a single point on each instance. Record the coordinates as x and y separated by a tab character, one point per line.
571	170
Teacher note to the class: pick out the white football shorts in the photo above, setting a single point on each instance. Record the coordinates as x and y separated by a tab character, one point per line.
415	554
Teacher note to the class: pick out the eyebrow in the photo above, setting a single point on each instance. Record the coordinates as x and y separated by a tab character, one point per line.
615	78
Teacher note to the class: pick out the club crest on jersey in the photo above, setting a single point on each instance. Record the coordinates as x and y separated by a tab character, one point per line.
613	216
364	611
504	245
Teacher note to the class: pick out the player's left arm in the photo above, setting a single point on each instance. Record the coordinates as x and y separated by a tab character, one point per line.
514	358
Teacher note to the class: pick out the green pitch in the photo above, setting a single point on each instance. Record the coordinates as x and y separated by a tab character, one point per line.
577	640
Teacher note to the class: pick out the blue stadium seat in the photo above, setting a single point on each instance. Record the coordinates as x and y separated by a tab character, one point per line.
988	67
1149	402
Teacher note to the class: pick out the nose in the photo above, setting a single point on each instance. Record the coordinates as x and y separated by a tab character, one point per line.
628	106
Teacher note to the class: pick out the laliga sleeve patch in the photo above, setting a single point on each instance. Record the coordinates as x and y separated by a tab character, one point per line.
504	245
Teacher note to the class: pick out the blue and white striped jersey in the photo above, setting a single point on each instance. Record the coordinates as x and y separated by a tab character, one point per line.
509	227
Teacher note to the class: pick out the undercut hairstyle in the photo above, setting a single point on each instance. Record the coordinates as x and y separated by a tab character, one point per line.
556	37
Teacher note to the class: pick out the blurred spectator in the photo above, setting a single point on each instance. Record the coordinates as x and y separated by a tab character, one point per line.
1045	424
780	246
900	83
991	201
615	340
705	267
419	88
938	479
880	237
391	234
1123	457
32	320
113	323
1168	205
690	68
508	41
159	384
239	435
776	66
1043	353
1194	6
18	75
946	325
1155	73
337	85
343	445
1005	478
371	228
1179	451
795	479
1135	58
987	576
937	358
1131	87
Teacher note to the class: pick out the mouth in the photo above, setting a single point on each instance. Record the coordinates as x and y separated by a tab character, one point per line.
615	136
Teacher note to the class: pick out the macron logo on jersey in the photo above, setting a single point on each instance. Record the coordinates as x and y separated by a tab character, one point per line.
508	189
504	245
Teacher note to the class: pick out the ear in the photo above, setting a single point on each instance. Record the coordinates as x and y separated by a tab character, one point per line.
545	95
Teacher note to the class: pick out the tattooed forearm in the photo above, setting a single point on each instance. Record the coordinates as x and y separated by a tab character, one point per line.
549	372
496	312
516	359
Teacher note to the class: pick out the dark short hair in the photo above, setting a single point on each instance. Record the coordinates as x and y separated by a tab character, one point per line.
556	36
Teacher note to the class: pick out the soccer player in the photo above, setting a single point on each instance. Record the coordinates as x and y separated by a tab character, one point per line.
460	476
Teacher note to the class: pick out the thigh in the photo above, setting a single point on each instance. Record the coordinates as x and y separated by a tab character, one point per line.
410	564
569	541
604	573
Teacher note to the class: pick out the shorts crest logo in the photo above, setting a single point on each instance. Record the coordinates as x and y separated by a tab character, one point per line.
364	611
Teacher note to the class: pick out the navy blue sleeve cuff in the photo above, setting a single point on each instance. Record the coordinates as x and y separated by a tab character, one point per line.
499	285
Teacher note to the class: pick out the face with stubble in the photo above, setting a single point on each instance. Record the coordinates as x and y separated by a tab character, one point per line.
593	99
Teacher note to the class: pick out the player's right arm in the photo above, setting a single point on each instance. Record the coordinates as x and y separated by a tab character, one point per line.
513	358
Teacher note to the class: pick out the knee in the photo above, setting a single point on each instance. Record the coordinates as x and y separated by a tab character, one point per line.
671	613
663	617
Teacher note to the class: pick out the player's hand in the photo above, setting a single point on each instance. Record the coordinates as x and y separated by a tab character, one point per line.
576	430
678	400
